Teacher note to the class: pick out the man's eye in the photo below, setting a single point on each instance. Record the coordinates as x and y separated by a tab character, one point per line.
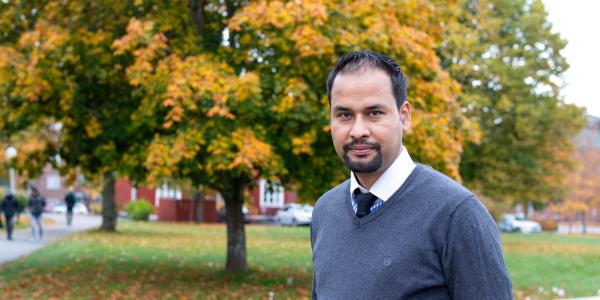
344	115
375	113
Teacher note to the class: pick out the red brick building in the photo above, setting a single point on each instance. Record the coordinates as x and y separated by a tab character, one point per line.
175	205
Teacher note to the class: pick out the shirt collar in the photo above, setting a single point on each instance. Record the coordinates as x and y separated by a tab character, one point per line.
391	180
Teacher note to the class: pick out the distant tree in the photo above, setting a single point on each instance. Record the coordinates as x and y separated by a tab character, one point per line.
508	63
64	93
583	192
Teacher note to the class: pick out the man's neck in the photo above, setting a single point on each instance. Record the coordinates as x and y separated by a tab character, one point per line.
367	180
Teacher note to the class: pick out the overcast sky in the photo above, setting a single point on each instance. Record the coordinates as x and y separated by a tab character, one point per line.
578	21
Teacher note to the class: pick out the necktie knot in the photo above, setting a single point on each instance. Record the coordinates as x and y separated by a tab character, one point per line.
364	201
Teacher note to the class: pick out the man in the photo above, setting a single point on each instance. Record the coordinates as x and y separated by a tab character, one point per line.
10	208
395	229
36	206
70	202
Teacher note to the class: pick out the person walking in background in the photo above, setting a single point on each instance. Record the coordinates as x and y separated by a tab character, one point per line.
36	206
395	229
70	202
10	207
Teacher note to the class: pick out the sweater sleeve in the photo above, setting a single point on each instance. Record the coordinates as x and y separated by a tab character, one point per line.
472	258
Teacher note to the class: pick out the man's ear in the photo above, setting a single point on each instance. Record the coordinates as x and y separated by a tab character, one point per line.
405	116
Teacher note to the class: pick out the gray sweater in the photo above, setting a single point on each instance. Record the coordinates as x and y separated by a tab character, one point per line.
432	239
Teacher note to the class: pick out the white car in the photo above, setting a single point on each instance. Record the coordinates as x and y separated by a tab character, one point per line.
513	223
294	214
78	209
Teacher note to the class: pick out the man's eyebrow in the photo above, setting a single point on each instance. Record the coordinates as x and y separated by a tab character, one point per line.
340	108
376	106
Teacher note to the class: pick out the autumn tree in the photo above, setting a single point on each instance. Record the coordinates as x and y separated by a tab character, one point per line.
508	63
253	104
57	70
226	92
583	192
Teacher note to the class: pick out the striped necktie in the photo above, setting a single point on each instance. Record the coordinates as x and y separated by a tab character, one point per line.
364	201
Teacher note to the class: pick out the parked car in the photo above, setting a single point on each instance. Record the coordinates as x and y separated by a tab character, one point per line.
294	214
78	209
514	223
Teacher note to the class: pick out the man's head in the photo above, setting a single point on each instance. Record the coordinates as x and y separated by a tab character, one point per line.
357	61
367	94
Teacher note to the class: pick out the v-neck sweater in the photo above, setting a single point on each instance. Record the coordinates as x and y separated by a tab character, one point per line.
433	239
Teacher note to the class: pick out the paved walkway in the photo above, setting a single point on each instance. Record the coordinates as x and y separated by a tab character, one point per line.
22	245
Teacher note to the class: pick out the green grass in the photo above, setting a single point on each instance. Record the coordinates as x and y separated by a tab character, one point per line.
168	261
540	262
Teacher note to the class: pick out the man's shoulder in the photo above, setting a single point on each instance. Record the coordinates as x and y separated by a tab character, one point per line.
439	186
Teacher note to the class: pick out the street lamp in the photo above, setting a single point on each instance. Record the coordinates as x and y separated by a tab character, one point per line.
11	153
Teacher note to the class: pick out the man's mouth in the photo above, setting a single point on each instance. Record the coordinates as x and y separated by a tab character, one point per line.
361	150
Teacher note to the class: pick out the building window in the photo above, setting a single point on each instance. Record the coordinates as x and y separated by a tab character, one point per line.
53	182
167	191
271	194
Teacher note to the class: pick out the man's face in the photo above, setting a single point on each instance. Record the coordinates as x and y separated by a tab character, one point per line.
366	126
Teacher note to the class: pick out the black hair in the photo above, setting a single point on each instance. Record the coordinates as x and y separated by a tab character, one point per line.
356	61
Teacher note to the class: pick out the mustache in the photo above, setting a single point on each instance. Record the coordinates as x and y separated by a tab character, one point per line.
353	143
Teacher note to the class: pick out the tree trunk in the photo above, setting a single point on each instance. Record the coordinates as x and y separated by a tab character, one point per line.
230	12
583	223
236	235
197	12
199	204
109	206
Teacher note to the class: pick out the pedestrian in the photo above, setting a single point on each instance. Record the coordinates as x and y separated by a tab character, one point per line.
395	229
36	206
70	202
10	207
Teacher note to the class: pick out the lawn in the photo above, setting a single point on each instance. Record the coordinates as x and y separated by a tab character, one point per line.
162	261
168	261
544	264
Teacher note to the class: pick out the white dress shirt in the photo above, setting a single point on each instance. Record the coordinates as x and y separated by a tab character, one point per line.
389	182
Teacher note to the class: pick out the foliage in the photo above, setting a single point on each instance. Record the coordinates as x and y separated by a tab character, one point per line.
225	92
549	225
22	201
508	62
95	208
495	208
584	188
139	210
62	90
293	47
254	106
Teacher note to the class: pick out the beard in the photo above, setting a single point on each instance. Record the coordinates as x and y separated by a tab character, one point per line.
369	166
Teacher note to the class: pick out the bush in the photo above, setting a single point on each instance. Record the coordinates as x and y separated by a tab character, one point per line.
96	208
549	225
22	201
139	209
495	208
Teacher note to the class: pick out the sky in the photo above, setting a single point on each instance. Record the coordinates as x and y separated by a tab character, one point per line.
578	21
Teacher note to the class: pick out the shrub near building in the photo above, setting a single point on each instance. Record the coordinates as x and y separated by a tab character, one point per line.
139	209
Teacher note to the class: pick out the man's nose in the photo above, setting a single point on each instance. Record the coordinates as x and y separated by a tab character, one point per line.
360	128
